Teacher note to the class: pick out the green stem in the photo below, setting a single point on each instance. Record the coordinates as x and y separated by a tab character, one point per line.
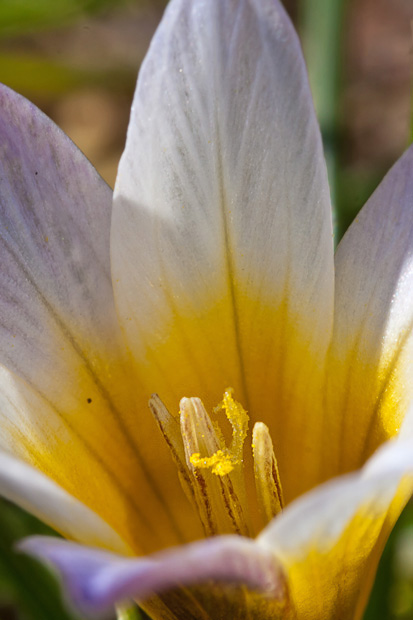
321	27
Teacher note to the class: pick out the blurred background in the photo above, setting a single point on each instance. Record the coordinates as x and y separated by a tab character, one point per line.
78	61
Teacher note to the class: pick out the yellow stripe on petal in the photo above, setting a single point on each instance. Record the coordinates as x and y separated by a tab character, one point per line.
284	368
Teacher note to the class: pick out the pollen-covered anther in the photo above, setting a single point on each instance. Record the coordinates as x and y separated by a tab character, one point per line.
219	463
238	418
267	477
216	469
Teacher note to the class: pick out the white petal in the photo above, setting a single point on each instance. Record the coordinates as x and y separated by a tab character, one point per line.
370	383
406	430
33	491
221	234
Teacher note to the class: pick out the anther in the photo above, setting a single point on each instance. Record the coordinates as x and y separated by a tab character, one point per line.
171	431
209	461
267	478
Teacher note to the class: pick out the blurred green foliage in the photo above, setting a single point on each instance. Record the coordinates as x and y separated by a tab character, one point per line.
39	76
27	590
19	16
326	19
392	595
34	73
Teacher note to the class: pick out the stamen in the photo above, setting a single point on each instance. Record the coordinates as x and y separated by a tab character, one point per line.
211	465
211	473
197	433
267	477
223	461
171	431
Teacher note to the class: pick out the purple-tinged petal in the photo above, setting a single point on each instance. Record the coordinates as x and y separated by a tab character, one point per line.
95	580
66	404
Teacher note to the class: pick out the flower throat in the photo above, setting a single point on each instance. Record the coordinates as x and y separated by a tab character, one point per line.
211	472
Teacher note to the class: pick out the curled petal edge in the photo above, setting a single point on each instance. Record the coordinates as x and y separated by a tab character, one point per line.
95	580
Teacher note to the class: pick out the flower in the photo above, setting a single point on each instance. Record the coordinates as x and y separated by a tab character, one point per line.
220	273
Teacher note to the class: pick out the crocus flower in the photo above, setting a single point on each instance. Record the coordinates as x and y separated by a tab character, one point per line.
220	279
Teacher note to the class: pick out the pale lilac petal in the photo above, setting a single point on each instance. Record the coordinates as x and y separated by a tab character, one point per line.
66	403
222	246
95	580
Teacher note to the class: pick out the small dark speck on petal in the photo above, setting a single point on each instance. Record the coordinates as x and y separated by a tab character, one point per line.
89	400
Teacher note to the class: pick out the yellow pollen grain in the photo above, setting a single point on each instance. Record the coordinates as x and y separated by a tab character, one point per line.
219	463
224	460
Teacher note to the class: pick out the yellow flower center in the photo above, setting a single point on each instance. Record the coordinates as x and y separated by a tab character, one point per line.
211	472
